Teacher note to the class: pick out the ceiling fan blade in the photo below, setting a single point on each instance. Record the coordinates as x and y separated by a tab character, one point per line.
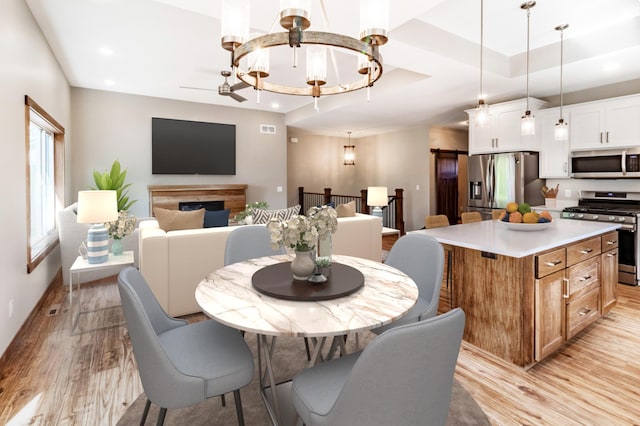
197	88
237	97
239	86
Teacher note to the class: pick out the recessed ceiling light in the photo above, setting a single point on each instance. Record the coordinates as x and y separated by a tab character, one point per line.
109	82
105	51
275	105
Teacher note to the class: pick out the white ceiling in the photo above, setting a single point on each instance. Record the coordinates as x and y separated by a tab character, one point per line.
431	62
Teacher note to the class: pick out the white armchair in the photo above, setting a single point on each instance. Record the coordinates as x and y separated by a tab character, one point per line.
71	234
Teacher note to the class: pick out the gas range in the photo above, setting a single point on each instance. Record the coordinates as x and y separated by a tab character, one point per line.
618	207
607	206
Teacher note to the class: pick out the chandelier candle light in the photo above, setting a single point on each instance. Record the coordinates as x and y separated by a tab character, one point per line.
294	17
528	123
562	129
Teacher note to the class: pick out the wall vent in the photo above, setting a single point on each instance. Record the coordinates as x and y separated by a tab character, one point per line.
53	310
268	128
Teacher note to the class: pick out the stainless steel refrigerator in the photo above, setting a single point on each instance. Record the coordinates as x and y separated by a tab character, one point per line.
496	179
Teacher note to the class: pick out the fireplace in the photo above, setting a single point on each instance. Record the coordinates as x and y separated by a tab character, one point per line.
197	205
229	196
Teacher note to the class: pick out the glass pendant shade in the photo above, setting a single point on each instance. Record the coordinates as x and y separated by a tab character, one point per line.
562	131
482	114
528	124
258	61
234	23
374	20
349	155
316	64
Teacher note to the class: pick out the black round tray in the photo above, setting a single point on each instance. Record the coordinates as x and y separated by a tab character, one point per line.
277	281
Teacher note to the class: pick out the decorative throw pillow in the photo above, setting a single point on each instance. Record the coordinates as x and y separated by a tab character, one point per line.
346	210
261	216
213	218
174	220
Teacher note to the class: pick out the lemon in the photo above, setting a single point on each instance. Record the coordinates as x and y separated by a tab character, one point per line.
512	207
530	217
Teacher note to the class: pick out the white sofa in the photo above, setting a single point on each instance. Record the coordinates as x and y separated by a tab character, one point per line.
174	262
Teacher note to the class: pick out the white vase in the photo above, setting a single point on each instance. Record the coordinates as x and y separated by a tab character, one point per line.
302	265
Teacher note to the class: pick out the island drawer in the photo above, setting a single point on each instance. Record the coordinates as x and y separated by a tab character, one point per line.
582	312
609	241
551	262
583	250
583	277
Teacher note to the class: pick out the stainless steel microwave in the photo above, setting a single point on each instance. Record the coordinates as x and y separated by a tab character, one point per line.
610	164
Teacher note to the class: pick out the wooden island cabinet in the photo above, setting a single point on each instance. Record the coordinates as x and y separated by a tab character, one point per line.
525	294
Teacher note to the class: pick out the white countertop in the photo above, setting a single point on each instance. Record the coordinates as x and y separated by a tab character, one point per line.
494	237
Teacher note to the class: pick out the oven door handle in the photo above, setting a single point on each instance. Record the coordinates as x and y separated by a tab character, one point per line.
623	162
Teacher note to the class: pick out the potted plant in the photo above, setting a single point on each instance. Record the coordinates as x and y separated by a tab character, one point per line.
114	180
246	215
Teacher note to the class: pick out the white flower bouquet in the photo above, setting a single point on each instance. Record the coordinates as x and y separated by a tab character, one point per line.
122	226
325	220
297	233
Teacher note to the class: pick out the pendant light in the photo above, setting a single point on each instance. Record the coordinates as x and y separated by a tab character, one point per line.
349	153
562	129
528	123
482	110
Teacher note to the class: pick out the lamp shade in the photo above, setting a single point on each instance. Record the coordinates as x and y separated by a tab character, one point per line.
97	206
377	196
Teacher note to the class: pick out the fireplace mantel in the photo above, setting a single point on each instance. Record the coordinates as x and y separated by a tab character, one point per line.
168	196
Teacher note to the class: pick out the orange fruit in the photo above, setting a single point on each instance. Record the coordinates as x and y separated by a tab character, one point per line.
515	217
546	215
512	207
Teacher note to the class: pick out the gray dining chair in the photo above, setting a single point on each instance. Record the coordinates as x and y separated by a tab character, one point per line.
181	364
249	242
421	257
403	377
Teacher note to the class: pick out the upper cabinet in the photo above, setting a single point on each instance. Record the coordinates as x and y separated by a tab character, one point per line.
554	155
611	123
502	133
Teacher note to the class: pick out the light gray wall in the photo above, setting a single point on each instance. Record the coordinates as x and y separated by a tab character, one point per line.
109	126
28	68
395	160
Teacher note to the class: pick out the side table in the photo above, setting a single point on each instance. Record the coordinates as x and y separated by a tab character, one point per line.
82	265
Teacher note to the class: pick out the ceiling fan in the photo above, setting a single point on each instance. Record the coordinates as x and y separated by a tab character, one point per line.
225	89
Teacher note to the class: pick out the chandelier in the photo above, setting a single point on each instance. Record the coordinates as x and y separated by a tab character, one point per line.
250	53
562	129
482	109
349	153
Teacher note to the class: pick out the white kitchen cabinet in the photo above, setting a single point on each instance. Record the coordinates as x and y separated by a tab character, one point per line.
554	155
502	134
611	123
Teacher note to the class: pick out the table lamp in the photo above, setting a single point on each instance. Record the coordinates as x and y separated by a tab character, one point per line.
376	198
97	207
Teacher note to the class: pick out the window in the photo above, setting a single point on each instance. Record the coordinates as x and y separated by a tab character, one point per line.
45	188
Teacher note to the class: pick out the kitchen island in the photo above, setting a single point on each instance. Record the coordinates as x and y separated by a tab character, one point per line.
526	294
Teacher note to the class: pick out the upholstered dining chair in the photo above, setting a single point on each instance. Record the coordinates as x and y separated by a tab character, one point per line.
495	214
470	217
439	221
249	242
421	257
181	364
403	377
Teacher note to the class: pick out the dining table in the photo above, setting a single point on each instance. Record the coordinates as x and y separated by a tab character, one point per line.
261	296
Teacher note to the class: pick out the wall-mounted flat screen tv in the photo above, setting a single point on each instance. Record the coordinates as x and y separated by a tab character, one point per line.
192	147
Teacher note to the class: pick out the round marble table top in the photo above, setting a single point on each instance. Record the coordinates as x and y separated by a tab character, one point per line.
228	296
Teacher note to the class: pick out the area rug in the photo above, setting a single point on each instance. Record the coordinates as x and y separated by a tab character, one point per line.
289	358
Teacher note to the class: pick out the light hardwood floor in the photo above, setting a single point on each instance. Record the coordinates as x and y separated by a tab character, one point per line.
51	376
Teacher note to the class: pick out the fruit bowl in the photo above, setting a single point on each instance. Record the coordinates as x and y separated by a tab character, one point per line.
526	226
